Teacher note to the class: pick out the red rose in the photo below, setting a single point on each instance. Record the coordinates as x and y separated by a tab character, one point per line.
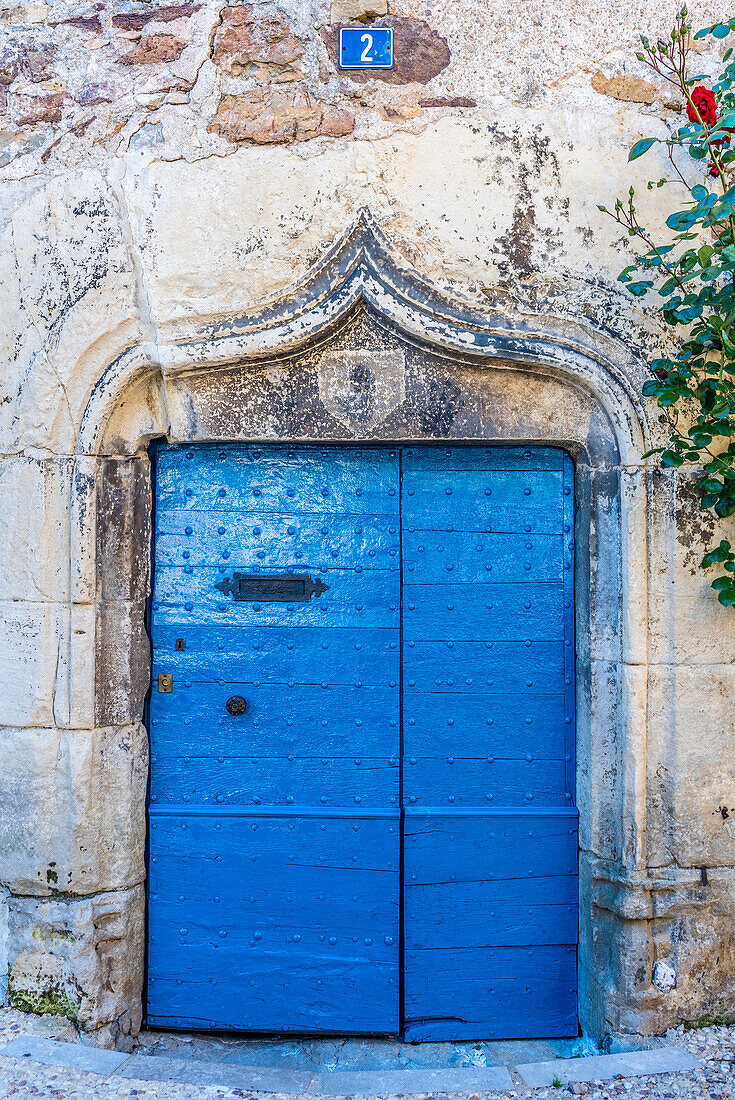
712	170
705	102
662	375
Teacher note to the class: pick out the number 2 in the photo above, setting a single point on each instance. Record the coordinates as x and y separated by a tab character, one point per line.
365	55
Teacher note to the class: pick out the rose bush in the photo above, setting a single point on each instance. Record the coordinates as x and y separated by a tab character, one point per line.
693	271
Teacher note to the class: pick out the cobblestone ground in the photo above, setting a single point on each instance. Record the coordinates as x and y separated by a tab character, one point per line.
21	1078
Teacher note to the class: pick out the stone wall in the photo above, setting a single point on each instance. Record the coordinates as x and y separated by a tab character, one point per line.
170	173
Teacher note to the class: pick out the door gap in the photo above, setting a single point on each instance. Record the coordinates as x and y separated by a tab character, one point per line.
401	938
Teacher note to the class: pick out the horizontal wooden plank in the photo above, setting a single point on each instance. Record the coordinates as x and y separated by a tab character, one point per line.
367	598
483	458
326	993
237	890
490	668
372	781
487	848
275	655
504	728
483	612
363	844
220	813
496	992
480	501
279	719
515	912
454	780
268	480
281	540
287	932
452	557
282	459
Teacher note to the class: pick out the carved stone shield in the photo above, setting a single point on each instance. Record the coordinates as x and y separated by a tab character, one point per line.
361	388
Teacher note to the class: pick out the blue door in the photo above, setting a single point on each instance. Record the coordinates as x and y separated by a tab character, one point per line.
362	711
274	887
490	835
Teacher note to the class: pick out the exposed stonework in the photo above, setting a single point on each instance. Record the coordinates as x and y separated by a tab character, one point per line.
357	11
27	110
269	116
154	49
18	60
92	780
91	23
80	958
244	38
448	101
420	53
23	14
633	89
135	21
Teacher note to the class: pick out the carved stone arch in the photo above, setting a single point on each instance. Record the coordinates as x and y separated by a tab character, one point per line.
363	267
436	368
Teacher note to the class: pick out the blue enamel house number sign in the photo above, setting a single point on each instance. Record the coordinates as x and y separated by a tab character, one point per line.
366	47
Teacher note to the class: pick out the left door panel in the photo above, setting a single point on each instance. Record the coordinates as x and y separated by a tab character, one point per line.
275	833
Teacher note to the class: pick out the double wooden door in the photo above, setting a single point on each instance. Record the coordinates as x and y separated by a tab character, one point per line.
362	741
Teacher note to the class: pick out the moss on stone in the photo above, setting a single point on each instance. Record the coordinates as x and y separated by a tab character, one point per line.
45	1002
724	1019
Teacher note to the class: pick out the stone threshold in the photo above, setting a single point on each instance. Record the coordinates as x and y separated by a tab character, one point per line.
151	1067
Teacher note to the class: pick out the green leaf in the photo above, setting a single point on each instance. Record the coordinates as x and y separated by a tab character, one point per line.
727	599
721	30
671	458
720	554
641	147
640	288
722	584
705	254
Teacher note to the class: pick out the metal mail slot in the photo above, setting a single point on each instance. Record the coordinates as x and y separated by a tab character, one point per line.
277	588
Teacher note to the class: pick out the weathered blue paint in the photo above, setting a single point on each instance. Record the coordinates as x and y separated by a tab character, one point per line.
275	837
490	837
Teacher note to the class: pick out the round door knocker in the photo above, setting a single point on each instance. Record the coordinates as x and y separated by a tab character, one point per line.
236	705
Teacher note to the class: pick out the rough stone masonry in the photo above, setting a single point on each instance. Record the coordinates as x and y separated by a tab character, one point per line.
169	175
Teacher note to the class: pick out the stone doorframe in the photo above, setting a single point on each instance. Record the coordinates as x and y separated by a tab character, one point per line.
436	369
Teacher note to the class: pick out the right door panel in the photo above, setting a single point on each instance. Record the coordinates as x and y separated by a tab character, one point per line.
490	840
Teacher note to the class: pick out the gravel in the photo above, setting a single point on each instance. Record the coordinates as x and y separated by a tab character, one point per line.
21	1078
